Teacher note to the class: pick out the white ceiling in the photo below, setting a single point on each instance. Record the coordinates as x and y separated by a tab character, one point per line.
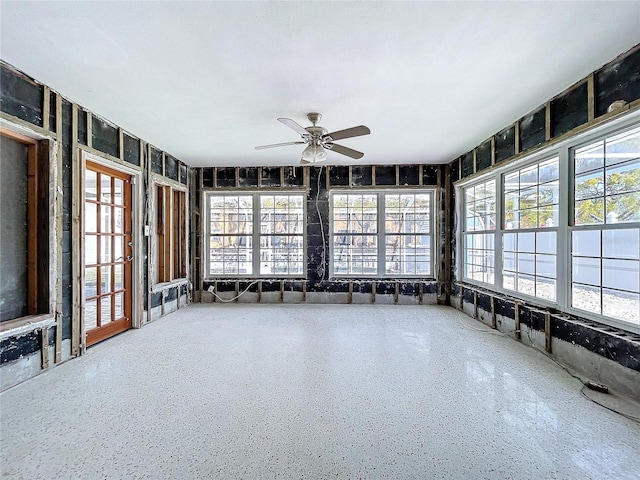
205	81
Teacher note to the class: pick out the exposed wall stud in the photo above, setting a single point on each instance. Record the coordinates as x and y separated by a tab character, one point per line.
373	292
475	160
77	261
547	332
350	176
373	175
475	304
591	98
304	291
57	258
448	214
493	150
44	347
281	291
547	121
237	291
260	291
493	312
121	144
420	292
46	106
396	294
516	137
421	174
397	175
517	319
350	294
89	129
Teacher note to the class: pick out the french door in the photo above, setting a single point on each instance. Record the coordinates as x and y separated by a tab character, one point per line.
107	252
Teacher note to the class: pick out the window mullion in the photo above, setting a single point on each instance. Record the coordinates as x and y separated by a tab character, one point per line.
563	238
382	236
497	240
255	235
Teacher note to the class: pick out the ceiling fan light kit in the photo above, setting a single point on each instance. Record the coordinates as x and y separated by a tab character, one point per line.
318	140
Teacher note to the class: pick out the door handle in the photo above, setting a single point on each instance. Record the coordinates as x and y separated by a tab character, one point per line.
129	258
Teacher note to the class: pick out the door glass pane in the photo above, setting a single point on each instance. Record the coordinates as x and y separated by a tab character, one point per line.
90	217
90	249
105	279
105	310
118	272
91	185
91	314
90	282
118	197
105	188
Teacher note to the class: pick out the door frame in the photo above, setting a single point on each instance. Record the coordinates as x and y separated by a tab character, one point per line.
136	237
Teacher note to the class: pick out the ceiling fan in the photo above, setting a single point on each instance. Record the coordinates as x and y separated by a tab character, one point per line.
318	140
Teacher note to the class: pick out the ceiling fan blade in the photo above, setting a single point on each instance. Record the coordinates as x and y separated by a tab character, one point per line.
349	152
262	147
293	125
349	132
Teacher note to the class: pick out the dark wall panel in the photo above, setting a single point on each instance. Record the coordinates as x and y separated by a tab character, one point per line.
82	126
569	110
430	175
293	176
385	175
156	161
505	144
131	150
21	97
361	176
618	81
248	177
408	175
270	177
104	136
171	167
532	129
225	177
339	176
467	164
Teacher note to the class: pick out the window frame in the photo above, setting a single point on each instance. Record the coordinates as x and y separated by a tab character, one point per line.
169	233
381	234
255	235
563	149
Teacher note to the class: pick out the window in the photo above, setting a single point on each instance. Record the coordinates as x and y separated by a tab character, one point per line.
25	227
256	234
568	232
479	231
171	233
364	221
605	239
531	201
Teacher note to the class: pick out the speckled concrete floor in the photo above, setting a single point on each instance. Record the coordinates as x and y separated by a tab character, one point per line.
285	391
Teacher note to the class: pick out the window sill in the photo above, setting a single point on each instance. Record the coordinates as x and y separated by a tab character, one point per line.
22	325
160	287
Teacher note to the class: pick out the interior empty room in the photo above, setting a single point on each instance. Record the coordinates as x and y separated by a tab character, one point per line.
319	240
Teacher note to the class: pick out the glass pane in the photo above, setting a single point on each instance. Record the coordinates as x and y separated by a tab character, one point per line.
91	314
621	274
528	177
90	217
545	288
105	279
118	272
586	243
623	147
509	240
623	208
622	305
548	194
621	243
119	304
526	284
90	282
549	170
105	249
105	188
528	218
526	263
91	185
586	270
105	310
546	242
118	249
589	158
527	242
90	249
118	186
509	261
119	220
548	216
509	281
105	218
546	265
586	298
589	211
589	185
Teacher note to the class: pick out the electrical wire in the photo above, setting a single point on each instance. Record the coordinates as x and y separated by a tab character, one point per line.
324	243
584	388
228	300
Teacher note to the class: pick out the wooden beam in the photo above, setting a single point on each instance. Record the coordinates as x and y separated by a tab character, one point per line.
350	294
516	316
89	129
420	293
493	312
547	122
32	230
77	261
46	106
493	150
475	304
58	229
547	332
396	294
516	135
44	347
591	98
373	292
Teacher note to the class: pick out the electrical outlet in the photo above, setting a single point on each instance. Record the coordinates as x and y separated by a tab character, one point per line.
147	231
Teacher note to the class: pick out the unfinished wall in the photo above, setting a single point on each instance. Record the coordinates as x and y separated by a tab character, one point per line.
596	351
35	109
318	287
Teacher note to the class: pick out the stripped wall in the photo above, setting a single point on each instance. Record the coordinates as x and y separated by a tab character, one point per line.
596	351
318	287
35	110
